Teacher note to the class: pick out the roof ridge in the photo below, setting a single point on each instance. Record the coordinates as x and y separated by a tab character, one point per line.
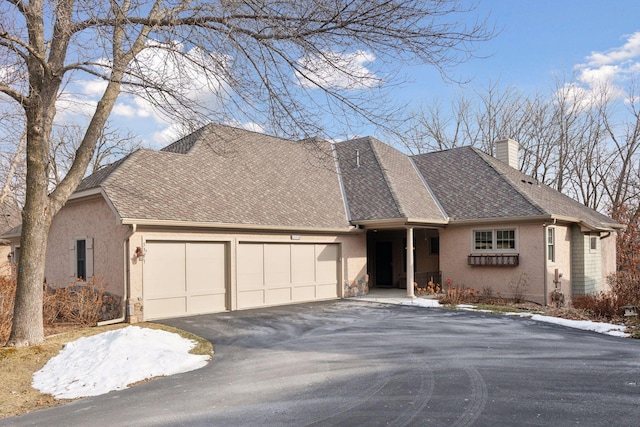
513	185
385	175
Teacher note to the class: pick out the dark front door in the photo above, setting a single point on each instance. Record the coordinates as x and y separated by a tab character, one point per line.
384	265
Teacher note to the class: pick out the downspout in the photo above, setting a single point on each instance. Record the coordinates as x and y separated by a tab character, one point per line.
545	256
125	281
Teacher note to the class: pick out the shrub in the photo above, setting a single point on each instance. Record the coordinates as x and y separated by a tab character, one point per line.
79	304
625	285
519	288
455	295
602	305
7	296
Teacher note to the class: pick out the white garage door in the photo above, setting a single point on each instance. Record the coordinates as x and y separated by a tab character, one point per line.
282	273
184	278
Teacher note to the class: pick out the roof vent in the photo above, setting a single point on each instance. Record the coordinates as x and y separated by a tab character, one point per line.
507	152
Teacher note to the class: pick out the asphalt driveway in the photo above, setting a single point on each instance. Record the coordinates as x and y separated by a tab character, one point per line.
357	363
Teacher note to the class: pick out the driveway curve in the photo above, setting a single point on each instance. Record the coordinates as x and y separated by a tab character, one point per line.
352	363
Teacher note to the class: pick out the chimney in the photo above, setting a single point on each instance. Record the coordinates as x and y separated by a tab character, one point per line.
507	152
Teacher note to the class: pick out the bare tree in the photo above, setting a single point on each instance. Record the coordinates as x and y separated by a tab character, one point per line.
112	144
276	62
621	176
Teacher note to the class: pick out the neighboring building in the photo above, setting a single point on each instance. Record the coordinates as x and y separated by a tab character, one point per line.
9	219
227	219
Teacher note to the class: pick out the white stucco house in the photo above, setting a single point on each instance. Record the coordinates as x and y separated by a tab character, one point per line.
227	219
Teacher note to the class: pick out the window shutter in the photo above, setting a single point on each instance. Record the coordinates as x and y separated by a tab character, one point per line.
72	259
89	257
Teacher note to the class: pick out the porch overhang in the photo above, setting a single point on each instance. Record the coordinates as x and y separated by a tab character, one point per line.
401	223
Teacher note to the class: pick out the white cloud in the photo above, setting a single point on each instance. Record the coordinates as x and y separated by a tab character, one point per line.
250	126
337	71
629	51
611	68
194	75
92	87
167	135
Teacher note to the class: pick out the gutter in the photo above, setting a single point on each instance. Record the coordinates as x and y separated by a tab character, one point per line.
231	226
125	281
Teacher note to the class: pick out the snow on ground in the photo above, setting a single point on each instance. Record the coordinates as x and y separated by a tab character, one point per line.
586	325
112	360
423	302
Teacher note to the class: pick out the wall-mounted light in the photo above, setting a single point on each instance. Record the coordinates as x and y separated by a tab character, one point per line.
139	253
9	256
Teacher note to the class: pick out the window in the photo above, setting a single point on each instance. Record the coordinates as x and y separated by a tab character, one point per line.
483	240
505	239
81	257
499	240
593	243
551	244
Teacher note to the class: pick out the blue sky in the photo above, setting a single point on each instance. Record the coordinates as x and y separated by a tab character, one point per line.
535	41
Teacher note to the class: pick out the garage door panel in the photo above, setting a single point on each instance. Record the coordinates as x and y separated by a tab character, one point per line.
165	307
304	293
326	291
303	262
326	265
277	265
250	275
203	303
282	273
278	296
251	299
163	280
206	267
183	278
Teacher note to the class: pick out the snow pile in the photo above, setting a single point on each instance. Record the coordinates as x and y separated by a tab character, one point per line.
423	302
586	325
112	360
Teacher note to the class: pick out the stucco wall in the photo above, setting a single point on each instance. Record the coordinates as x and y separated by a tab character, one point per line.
608	251
353	254
562	263
527	278
93	219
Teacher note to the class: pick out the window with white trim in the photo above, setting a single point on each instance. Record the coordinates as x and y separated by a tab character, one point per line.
551	244
496	240
81	259
593	243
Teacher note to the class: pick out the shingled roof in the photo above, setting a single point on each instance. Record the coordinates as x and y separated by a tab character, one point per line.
228	176
381	183
472	185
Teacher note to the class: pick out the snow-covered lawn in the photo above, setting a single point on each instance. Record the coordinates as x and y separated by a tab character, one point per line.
113	360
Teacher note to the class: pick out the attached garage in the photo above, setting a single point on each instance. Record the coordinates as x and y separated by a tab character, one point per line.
283	273
184	278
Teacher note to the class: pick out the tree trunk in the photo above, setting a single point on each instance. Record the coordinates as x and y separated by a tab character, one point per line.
27	321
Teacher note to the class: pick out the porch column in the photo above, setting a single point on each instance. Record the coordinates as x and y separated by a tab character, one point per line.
409	250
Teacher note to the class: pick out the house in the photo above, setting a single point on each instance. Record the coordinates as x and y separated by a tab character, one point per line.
9	219
227	219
